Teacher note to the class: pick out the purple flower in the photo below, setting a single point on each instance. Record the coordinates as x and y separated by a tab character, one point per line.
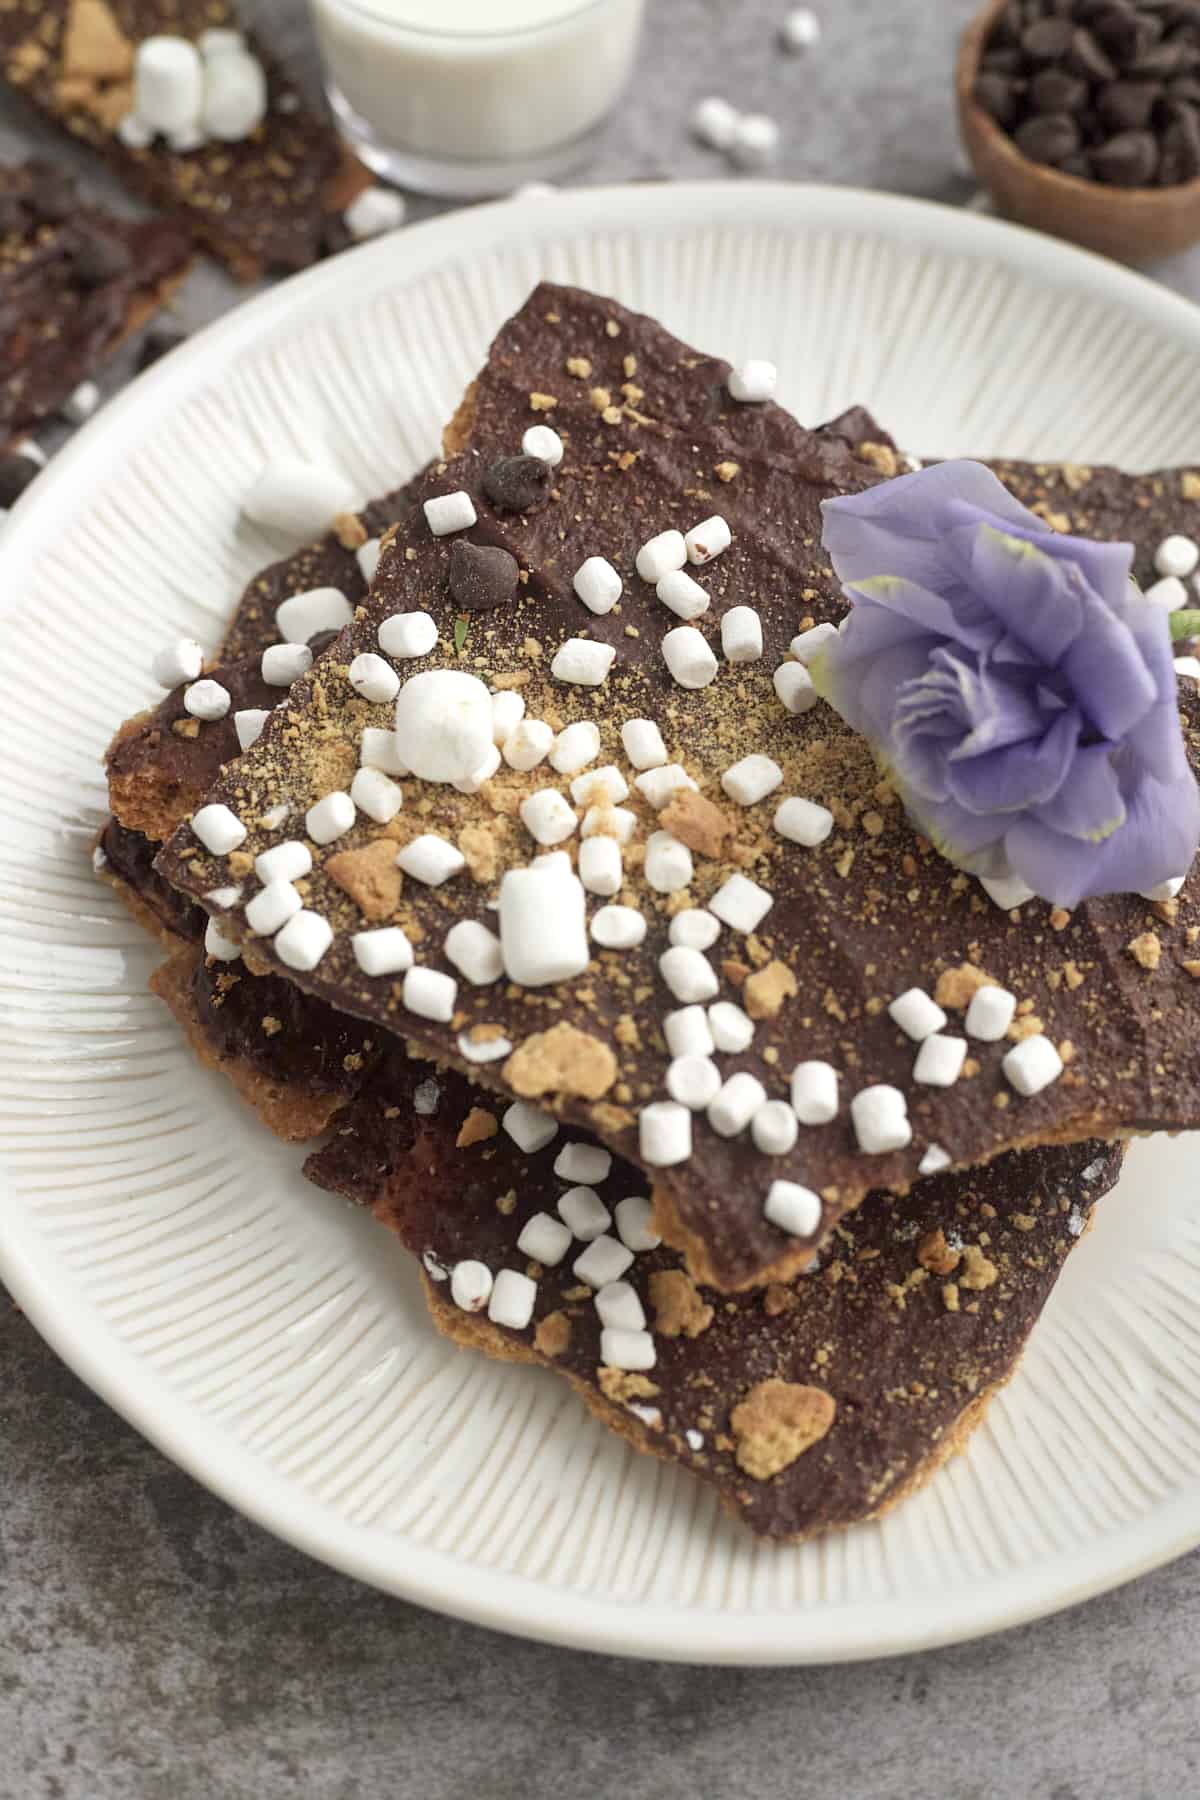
1015	685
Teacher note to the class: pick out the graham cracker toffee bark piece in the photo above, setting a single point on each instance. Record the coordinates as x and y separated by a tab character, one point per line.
807	1406
814	939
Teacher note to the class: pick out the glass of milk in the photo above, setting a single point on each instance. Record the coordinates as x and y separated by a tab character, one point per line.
468	97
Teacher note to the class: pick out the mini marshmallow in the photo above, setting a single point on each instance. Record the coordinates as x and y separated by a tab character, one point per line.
708	539
1006	891
529	1127
583	662
180	661
284	663
741	635
445	513
588	1163
940	1060
600	866
694	1081
305	615
272	907
483	1050
376	210
916	1014
659	555
133	134
283	862
794	686
218	946
545	1239
475	952
800	30
1177	555
547	817
225	897
774	1128
584	1212
753	382
643	743
168	83
934	1161
688	657
274	817
408	634
751	780
513	1299
605	1259
207	700
668	866
298	498
527	744
377	795
732	1029
618	927
430	994
807	643
471	1285
795	1209
633	1216
508	709
600	787
695	927
218	39
383	952
755	146
329	818
736	1104
377	750
627	1349
658	784
1169	594
609	821
1164	890
714	122
990	1014
367	557
597	584
664	1134
741	903
235	99
443	724
183	142
543	442
304	940
1188	666
431	859
249	725
575	747
815	1092
802	821
687	1032
880	1116
682	595
543	925
82	402
619	1307
218	829
1032	1065
689	975
374	679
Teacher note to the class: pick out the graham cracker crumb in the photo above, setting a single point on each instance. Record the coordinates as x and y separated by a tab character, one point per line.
476	1128
1189	485
94	47
621	1385
370	877
979	1271
481	851
779	1299
1192	968
776	1423
507	1202
767	989
553	1334
956	988
1146	949
542	402
563	1060
696	822
881	457
726	471
349	530
186	728
678	1307
578	367
950	1296
935	1254
1027	1026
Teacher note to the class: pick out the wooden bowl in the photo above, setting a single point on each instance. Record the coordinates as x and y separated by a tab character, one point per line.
1133	225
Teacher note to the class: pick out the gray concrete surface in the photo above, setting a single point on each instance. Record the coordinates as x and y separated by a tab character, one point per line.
155	1646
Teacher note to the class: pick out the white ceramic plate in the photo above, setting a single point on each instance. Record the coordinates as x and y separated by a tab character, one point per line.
274	1341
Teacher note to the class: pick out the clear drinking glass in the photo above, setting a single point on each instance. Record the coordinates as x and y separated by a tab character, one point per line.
470	97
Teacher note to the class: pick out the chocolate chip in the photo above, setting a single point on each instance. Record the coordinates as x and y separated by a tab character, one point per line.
1004	62
1048	138
1184	87
998	97
1047	40
156	344
1127	105
1053	90
1168	59
1086	58
16	473
51	193
1126	35
1128	160
97	259
1079	165
515	483
1180	160
481	576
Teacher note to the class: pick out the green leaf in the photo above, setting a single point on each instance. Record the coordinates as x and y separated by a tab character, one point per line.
461	627
1184	625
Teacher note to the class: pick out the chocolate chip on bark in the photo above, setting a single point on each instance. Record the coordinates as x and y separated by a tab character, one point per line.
481	576
96	260
515	483
1048	138
1128	160
16	473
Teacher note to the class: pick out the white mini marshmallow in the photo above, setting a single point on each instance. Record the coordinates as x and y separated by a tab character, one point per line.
168	84
483	1050
297	498
714	122
627	1350
225	897
803	821
377	795
688	657
618	927
133	134
689	975
329	818
431	859
275	816
643	742
600	866
753	382
755	144
752	779
668	865
658	784
180	661
741	903
708	539
207	700
475	952
543	442
430	994
774	1128
182	142
284	663
575	747
600	787
800	30
807	643
582	662
619	1307
443	724
547	817
218	829
605	1259
408	634
513	1299
1164	890
633	1216
940	1060
445	513
664	1134
303	616
659	555
990	1014
304	940
741	635
283	862
1188	666
376	210
249	725
543	925
795	1209
682	595
815	1092
736	1104
732	1029
694	1081
934	1161
367	557
589	1163
545	1239
377	750
609	821
1006	891
528	744
235	97
508	709
82	402
1177	555
917	1015
695	927
386	951
374	679
471	1285
1032	1064
794	686
584	1212
218	946
880	1116
687	1032
597	584
529	1127
1169	594
272	907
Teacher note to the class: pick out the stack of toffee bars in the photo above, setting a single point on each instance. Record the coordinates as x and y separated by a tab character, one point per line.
808	1327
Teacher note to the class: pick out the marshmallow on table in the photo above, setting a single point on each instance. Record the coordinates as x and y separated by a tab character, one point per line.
431	859
508	709
272	907
990	1014
283	862
373	679
248	723
575	747
815	1092
600	787
795	1209
443	724
544	442
471	1285
741	903
695	927
633	1215
303	616
934	1161
376	210
584	1212
475	952
543	925
688	657
445	513
430	994
377	750
774	1128
377	795
714	122
682	595
687	1032
741	635
800	30
694	1081
82	402
939	1060
600	865
917	1015
386	951
582	662
168	84
547	817
664	1134
708	539
1032	1065
218	946
659	783
330	817
218	829
618	927
284	663
303	941
605	1259
1177	555
668	863
753	382
529	1127
207	700
736	1104
752	779
609	821
298	498
597	584
688	974
528	744
803	821
512	1300
619	1307
235	97
805	645
732	1029
180	661
545	1239
659	555
794	686
409	634
367	557
643	742
1169	594
880	1117
583	1162
627	1349
755	143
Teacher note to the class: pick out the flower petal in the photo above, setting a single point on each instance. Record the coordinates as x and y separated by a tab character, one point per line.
1157	841
897	528
1019	776
1107	672
1089	804
1031	594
